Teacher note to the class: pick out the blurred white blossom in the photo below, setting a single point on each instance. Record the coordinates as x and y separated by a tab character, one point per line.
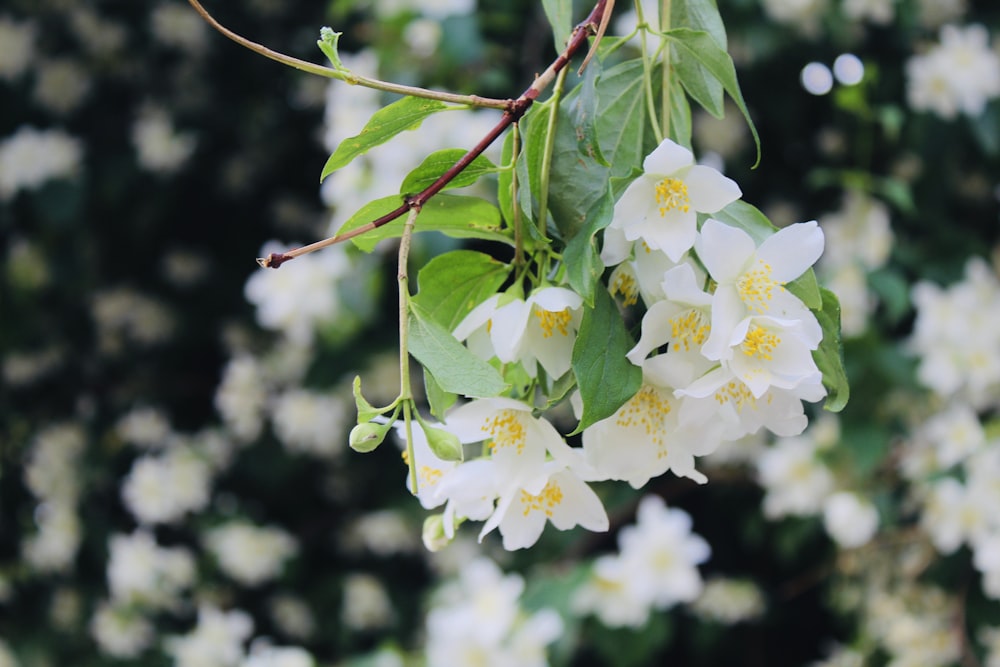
17	47
30	157
123	315
162	488
60	84
175	25
248	553
159	146
366	604
142	573
729	601
311	422
146	427
242	396
217	640
849	519
803	15
958	75
120	631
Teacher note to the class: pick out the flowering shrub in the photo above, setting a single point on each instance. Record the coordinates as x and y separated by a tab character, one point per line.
667	263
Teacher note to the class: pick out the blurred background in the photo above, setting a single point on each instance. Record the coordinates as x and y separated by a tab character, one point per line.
175	482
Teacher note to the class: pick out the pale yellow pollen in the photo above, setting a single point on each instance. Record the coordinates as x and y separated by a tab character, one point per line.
687	329
672	195
625	285
760	343
646	410
545	501
551	320
429	476
756	287
506	430
737	393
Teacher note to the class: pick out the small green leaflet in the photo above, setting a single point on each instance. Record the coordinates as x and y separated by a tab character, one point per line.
328	45
438	162
402	115
454	283
605	377
583	262
829	357
455	369
453	215
701	46
560	14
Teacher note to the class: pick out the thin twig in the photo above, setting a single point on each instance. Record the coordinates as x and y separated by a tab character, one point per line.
514	111
344	74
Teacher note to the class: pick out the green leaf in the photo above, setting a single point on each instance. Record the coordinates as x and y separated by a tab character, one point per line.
328	45
454	368
701	46
402	115
560	15
699	15
366	411
438	399
585	114
581	256
437	163
621	120
454	283
605	377
453	215
680	115
830	355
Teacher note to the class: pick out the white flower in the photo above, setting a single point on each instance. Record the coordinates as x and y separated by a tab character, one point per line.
51	471
161	489
61	85
159	147
566	501
177	26
751	283
217	640
311	422
661	554
120	632
366	604
17	47
729	600
144	426
262	654
859	233
124	315
850	520
802	14
292	616
954	514
660	207
300	296
607	594
960	75
645	438
142	572
30	157
53	548
796	482
250	554
934	13
241	397
539	330
879	12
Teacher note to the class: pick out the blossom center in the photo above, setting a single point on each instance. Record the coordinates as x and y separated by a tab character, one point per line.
506	430
545	501
756	287
646	410
553	320
690	328
760	343
672	194
737	393
624	284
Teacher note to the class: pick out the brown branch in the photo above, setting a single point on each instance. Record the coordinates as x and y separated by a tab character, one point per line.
514	111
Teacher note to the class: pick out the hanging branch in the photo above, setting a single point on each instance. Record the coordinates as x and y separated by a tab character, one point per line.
513	112
344	74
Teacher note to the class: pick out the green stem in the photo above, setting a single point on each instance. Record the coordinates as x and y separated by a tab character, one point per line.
518	231
665	100
647	76
405	390
346	75
550	141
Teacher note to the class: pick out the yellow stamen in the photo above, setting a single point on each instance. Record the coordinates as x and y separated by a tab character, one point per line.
550	320
760	343
672	194
506	430
689	329
545	501
646	410
756	287
625	285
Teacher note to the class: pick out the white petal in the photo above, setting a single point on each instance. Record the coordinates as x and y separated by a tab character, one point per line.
668	158
792	250
724	250
478	317
710	191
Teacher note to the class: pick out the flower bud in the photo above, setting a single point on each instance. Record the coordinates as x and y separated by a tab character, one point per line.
444	444
365	438
433	533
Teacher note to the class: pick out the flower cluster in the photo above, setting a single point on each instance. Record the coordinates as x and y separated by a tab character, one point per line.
959	75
